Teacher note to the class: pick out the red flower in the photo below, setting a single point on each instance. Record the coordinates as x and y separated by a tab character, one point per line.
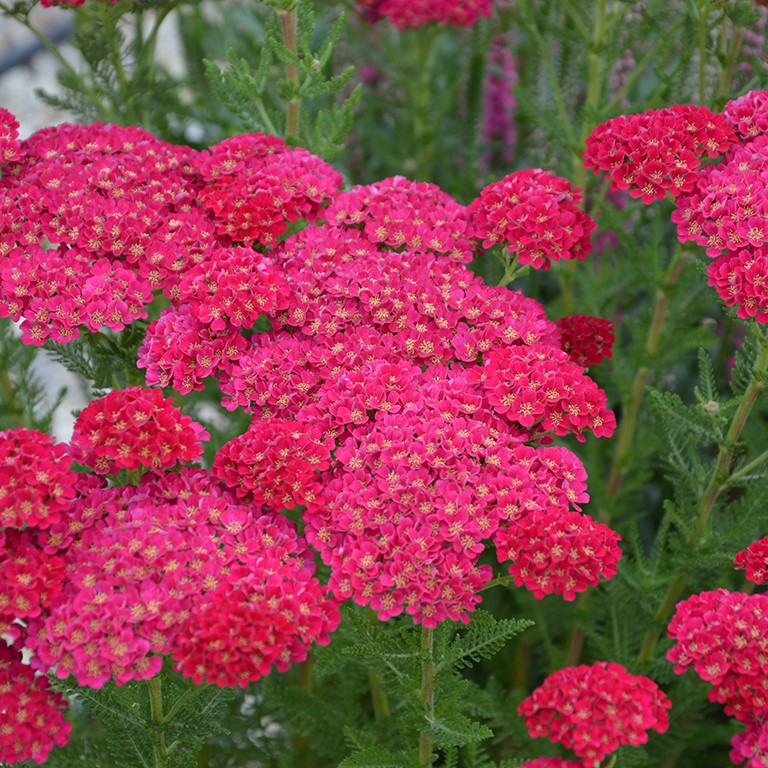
595	709
415	13
133	428
10	146
586	339
754	560
658	151
536	215
31	714
36	482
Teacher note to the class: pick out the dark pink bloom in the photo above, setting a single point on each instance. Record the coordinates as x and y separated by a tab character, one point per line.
754	560
586	339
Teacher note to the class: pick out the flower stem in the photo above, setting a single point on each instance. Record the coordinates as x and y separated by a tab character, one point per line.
159	747
288	19
378	694
427	695
628	424
718	481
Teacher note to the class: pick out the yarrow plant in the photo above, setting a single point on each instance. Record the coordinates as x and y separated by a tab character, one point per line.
373	373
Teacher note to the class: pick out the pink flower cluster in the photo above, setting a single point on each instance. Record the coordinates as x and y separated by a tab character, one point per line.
657	152
594	709
134	428
751	745
416	13
9	137
149	569
754	560
31	714
723	637
536	215
586	339
499	129
36	481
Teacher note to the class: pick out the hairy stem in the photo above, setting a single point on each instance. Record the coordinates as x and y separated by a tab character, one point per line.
427	695
628	425
718	482
159	748
288	19
378	694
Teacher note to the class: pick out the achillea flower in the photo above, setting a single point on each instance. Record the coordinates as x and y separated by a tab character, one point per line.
31	577
36	482
31	714
752	743
181	351
269	617
594	709
748	115
540	389
741	280
406	215
10	146
754	560
416	13
658	151
133	428
275	463
551	762
144	561
535	214
723	636
586	339
232	288
557	552
254	184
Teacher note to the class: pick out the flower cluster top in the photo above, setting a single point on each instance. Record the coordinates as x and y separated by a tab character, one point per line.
416	13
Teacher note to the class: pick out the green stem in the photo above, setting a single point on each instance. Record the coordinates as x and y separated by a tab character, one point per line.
747	468
427	695
14	408
702	56
180	702
724	86
628	424
378	694
288	20
718	481
159	748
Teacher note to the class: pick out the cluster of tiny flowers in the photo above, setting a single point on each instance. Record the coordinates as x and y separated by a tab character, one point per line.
265	618
724	211
539	388
557	552
142	565
133	428
181	351
275	463
586	339
751	744
233	287
594	709
754	560
32	719
656	152
551	762
723	636
414	216
536	215
36	481
9	137
416	13
105	196
255	183
499	129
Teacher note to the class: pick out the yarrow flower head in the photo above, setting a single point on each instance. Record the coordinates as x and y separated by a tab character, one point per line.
657	152
751	745
594	709
36	479
255	184
416	13
754	560
536	215
32	719
586	339
143	565
275	463
134	428
551	762
10	145
723	637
